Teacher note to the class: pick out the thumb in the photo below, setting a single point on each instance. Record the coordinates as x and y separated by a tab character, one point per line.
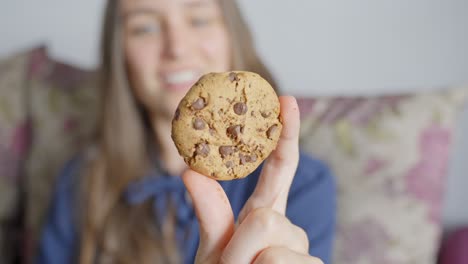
214	214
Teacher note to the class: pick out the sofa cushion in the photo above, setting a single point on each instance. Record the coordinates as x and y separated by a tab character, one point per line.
47	113
63	110
390	156
15	128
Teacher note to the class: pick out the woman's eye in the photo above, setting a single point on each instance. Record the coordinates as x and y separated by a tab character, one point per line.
142	30
200	22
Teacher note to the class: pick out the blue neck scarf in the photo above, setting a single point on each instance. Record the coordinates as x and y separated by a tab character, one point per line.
161	188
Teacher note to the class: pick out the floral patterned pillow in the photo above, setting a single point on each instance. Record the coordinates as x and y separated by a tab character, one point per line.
63	109
47	110
14	144
390	156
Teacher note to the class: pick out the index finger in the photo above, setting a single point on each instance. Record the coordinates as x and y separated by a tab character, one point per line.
279	169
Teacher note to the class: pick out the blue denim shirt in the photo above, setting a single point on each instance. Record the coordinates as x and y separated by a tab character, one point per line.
311	205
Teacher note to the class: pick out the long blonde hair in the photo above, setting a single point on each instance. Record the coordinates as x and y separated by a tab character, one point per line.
111	230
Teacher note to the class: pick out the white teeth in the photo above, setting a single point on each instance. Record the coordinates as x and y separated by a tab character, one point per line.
180	77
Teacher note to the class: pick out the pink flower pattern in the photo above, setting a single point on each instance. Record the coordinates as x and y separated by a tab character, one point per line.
365	237
374	165
425	180
21	139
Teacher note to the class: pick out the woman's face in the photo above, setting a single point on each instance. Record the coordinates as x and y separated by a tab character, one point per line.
168	45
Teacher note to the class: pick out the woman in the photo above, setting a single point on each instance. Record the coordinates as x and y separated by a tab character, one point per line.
133	206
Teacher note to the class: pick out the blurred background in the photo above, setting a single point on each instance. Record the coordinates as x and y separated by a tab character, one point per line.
321	47
361	46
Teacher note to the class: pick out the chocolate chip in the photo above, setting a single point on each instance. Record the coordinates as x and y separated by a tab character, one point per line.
198	123
240	108
235	131
253	157
212	131
229	164
266	115
226	151
199	104
271	131
233	77
213	175
252	113
177	114
202	149
243	159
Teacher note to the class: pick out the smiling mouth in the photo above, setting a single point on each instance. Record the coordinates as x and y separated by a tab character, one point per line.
181	77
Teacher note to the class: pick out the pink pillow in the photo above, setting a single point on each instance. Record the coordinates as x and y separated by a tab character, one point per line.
63	108
15	135
454	249
47	111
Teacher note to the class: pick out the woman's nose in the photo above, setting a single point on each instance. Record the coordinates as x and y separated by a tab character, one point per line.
178	42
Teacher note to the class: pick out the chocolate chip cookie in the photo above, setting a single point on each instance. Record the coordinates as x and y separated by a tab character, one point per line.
227	124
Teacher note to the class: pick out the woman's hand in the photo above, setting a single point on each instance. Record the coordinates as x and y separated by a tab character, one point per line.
263	234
